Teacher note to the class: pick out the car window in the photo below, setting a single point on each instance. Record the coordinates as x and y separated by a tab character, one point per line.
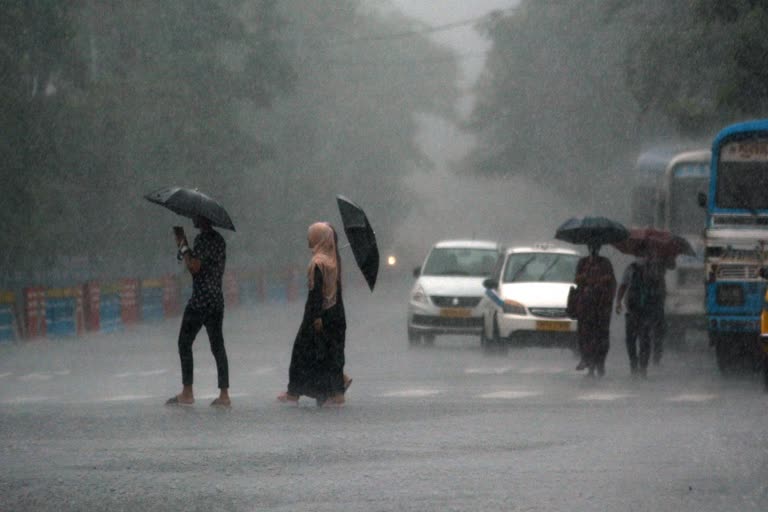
540	267
450	261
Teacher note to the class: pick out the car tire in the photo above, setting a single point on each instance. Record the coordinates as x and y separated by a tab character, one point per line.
724	354
496	345
428	339
414	338
765	372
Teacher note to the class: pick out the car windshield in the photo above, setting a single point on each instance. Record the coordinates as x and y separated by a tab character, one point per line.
540	267
452	261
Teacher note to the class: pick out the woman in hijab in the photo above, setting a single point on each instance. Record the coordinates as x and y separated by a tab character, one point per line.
597	284
317	360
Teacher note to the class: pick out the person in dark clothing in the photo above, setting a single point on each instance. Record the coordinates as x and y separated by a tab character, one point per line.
596	283
317	359
642	283
206	262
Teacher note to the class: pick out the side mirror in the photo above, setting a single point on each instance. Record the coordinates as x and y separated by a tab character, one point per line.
417	272
491	283
701	198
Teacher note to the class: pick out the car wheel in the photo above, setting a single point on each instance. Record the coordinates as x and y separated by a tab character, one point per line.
724	354
495	345
429	339
483	337
765	371
413	337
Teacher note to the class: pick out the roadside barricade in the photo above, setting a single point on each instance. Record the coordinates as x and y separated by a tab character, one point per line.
152	300
34	312
231	290
110	317
9	327
92	305
129	301
171	296
64	312
251	287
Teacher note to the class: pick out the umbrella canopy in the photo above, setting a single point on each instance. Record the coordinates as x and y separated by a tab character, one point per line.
361	238
591	230
658	243
190	203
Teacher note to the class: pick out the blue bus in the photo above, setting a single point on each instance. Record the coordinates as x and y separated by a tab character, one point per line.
735	241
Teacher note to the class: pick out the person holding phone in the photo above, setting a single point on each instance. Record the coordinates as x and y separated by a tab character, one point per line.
205	261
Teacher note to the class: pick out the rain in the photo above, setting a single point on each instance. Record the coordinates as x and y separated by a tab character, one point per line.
423	354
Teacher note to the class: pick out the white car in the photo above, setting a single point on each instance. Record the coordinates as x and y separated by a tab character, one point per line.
525	300
448	289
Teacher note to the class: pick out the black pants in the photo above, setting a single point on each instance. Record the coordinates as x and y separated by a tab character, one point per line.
646	327
191	324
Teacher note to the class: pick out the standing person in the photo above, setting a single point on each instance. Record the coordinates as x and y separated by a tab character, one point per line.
597	283
317	358
205	261
642	284
658	268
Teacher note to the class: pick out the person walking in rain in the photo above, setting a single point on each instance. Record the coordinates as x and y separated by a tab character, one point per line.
205	261
642	286
597	284
317	358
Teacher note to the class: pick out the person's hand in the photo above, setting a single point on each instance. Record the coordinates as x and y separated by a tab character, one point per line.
318	324
181	240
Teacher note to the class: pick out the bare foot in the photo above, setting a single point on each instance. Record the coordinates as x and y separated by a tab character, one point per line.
180	399
221	402
287	398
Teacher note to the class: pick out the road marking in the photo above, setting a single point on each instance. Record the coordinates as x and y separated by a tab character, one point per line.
146	373
125	398
692	397
411	393
603	397
36	376
487	371
5	374
27	399
510	394
541	370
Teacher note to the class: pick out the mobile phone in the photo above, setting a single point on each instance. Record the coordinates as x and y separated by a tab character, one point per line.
178	231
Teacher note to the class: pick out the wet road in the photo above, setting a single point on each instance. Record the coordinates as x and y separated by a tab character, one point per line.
82	426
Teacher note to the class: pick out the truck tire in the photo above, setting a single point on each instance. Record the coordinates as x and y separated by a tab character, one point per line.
724	354
413	338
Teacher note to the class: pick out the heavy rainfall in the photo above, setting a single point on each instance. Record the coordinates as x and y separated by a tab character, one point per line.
384	255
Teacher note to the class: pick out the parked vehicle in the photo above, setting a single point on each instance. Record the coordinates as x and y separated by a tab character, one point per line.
525	300
735	241
448	288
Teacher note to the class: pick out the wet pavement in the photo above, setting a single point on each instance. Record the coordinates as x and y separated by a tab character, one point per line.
83	426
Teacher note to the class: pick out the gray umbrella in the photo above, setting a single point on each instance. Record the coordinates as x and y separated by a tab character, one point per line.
190	203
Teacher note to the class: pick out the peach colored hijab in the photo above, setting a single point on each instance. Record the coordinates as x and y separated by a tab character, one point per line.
323	246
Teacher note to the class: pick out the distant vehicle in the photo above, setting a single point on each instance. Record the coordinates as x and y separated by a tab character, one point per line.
448	288
525	300
735	240
686	176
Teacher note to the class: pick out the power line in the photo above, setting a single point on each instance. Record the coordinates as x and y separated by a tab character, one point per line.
428	30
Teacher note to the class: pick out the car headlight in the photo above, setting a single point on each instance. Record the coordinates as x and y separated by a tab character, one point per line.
513	307
418	295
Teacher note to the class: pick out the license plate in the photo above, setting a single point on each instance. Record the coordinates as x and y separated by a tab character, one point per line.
553	326
455	312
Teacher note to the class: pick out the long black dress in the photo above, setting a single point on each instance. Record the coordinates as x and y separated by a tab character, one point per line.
317	360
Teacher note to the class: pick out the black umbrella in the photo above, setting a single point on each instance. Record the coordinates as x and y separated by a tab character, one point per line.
591	230
361	238
190	203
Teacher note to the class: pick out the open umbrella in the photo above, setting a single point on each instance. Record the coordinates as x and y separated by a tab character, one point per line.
361	238
190	203
659	243
591	230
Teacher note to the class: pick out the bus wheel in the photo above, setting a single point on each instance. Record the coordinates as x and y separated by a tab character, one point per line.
724	354
765	371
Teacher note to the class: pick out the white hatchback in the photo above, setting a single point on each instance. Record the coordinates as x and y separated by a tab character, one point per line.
448	289
525	300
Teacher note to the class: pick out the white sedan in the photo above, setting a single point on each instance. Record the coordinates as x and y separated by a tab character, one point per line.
448	288
525	301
